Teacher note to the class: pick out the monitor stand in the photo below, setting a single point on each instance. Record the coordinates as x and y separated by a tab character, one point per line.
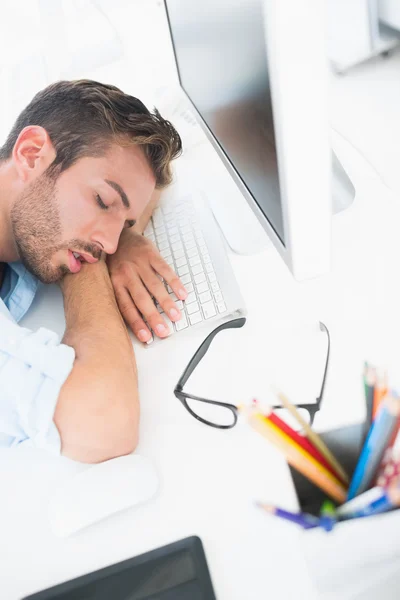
237	222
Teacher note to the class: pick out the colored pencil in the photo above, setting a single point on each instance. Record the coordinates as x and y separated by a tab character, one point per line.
387	499
314	438
369	389
380	391
375	445
359	502
298	457
305	520
303	442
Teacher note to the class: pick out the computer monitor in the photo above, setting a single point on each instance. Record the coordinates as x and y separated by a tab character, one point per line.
255	74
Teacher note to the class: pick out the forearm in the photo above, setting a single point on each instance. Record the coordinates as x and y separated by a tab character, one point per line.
145	217
98	408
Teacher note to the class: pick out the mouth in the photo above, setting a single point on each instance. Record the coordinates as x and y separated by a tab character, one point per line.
77	258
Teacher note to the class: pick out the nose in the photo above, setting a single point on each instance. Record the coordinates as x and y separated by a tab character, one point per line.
108	235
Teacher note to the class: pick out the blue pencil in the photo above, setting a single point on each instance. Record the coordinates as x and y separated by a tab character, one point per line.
377	440
386	500
305	520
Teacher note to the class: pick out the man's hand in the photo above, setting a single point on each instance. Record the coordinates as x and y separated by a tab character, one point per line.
134	271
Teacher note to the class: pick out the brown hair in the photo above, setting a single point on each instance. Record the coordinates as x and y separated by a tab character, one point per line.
83	118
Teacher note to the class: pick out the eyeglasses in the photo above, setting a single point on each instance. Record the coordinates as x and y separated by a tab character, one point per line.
223	415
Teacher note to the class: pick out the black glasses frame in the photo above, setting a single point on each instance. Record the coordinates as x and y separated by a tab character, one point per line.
200	353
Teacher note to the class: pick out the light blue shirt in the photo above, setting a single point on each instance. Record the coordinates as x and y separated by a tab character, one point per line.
33	368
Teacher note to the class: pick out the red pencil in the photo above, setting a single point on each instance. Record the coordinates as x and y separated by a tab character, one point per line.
303	442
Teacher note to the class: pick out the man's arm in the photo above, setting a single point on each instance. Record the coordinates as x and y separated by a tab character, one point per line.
97	413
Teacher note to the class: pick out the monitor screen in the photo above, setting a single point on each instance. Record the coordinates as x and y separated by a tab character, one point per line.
221	56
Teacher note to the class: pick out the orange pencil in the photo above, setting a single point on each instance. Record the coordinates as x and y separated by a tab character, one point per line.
298	457
380	391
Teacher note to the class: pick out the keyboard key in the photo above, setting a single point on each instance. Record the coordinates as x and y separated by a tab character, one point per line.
190	244
187	237
173	296
215	286
197	269
179	304
206	258
149	230
189	287
202	287
172	229
209	310
209	268
192	308
167	210
182	222
183	270
185	229
181	261
186	279
178	253
163	245
162	238
165	253
203	249
182	323
221	307
212	277
174	238
200	278
204	297
170	261
192	252
196	260
218	297
177	246
191	298
195	318
160	230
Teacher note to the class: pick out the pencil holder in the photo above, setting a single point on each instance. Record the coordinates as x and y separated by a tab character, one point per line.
360	558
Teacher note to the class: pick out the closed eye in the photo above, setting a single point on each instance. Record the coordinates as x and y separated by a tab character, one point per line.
101	203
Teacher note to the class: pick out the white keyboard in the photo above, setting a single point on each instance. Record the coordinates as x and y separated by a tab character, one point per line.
178	231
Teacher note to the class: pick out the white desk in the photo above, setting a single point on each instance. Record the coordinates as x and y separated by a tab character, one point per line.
210	478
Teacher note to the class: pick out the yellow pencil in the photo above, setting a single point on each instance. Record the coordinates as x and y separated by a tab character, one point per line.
313	437
299	458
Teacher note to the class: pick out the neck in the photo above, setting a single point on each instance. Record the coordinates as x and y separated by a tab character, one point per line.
8	194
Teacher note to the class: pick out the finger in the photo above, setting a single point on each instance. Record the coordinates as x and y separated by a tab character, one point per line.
145	305
163	268
132	315
158	291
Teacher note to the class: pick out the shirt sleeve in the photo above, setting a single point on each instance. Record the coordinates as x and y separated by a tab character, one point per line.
33	368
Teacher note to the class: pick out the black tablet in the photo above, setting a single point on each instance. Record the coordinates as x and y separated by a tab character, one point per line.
175	572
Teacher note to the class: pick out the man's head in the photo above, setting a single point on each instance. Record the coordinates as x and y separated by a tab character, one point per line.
85	159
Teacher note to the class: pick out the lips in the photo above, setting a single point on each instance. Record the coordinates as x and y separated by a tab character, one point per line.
75	264
75	260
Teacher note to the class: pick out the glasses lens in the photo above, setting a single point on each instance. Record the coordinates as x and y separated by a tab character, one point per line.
286	416
213	413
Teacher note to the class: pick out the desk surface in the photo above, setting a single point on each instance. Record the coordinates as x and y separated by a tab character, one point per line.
210	478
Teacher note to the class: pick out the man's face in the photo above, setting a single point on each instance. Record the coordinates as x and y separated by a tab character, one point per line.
83	211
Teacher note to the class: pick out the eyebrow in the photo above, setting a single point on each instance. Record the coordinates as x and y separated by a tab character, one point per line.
120	191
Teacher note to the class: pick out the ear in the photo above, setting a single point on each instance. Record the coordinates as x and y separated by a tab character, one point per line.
33	152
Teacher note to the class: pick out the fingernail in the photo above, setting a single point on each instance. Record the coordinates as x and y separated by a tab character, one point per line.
161	329
143	335
182	294
174	314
